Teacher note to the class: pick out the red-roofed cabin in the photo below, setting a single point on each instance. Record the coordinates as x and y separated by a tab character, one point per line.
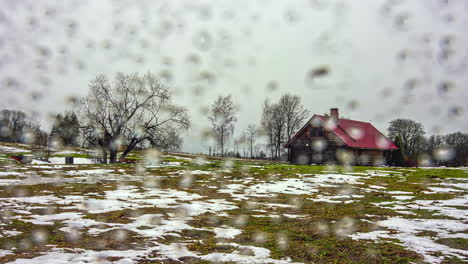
331	139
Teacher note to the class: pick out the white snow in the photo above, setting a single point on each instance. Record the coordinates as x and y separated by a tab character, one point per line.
336	198
408	228
226	232
286	186
403	197
10	173
5	252
259	255
12	149
8	233
50	219
76	160
294	216
377	187
443	190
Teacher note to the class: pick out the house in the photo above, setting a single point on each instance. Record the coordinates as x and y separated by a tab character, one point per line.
331	139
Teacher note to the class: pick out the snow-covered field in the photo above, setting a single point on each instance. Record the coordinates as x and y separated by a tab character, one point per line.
249	213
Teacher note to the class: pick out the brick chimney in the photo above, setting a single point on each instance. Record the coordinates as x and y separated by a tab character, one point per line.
334	113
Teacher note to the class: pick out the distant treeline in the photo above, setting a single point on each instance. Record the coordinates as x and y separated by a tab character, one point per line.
116	117
18	127
416	149
282	119
137	111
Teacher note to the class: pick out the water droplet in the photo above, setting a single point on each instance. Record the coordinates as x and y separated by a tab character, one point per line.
272	86
282	241
445	87
120	235
152	156
315	73
155	220
353	104
73	234
424	160
344	227
455	111
356	133
151	182
193	59
207	78
202	40
322	228
43	51
11	82
319	145
403	55
444	153
205	12
39	236
446	41
320	4
411	84
166	76
260	237
291	16
382	142
182	212
186	179
241	220
401	21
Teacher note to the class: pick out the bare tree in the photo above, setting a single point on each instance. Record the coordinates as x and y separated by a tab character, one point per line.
294	112
273	122
458	142
240	142
251	134
411	134
279	131
433	142
267	125
281	120
257	150
135	110
222	117
12	125
17	127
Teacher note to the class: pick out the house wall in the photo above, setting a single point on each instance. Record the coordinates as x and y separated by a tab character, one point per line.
368	157
302	151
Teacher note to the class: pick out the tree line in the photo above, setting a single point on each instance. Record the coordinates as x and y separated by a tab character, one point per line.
18	127
282	119
418	149
133	111
279	122
137	111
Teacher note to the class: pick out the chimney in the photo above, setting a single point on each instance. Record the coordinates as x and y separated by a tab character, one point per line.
334	113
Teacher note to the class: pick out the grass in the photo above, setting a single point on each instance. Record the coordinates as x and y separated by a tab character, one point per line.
311	238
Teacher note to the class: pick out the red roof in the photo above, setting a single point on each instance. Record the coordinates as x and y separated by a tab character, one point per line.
354	134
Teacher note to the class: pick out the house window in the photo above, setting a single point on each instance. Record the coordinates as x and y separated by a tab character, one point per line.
320	132
316	132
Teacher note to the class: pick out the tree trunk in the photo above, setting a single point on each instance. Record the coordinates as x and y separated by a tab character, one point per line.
113	156
104	155
129	148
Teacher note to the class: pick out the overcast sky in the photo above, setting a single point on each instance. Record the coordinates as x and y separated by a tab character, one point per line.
387	59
